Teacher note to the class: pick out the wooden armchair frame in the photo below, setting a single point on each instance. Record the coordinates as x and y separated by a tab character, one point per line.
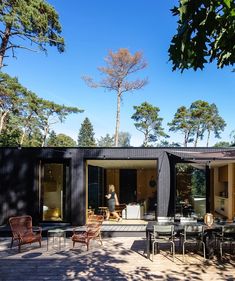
23	231
92	233
95	219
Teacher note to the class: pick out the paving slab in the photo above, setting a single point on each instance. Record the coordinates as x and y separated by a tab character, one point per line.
120	258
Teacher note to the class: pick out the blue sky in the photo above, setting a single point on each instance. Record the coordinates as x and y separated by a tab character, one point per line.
93	27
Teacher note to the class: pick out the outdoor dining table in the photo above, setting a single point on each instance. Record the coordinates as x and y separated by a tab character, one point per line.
209	237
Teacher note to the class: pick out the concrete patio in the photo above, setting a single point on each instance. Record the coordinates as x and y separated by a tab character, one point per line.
118	259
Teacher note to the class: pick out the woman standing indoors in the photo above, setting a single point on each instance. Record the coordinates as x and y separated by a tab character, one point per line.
112	201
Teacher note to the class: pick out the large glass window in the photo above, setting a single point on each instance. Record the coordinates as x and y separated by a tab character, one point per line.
95	187
190	190
52	188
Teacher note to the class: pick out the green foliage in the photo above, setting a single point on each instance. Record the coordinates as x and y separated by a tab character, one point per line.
60	140
28	21
148	122
86	134
33	139
52	139
182	122
9	137
222	144
119	69
214	122
199	110
194	121
232	137
198	182
106	141
124	139
165	143
24	116
191	182
206	33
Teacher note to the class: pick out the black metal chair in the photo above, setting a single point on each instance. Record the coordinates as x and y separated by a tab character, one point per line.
193	234
163	234
227	237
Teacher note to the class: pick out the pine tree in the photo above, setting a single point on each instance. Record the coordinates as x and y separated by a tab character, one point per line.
51	141
118	77
86	134
106	141
26	24
148	122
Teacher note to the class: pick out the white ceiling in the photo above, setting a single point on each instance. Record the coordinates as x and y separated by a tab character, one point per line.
147	164
124	164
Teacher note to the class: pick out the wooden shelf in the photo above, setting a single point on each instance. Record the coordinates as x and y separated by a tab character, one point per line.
223	173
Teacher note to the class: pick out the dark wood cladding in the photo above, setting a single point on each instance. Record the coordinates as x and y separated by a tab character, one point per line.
122	153
163	196
19	174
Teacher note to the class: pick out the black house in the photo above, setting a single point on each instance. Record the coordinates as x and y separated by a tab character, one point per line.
61	184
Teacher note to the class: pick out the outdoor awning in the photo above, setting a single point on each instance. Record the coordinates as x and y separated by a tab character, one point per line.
204	155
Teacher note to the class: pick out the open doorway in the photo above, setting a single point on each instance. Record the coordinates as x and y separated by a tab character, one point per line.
128	185
135	183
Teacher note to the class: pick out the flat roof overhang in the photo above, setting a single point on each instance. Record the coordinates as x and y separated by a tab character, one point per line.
218	158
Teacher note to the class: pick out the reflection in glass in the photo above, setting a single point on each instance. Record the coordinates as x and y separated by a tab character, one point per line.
52	192
190	190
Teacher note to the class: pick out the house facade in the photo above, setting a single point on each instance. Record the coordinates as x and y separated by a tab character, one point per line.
61	184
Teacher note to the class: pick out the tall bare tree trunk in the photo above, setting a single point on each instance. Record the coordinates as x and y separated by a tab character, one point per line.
185	139
22	137
46	131
196	138
117	119
145	142
208	137
2	119
195	143
5	40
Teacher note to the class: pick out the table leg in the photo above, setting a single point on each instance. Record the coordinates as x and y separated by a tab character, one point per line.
148	244
47	241
209	240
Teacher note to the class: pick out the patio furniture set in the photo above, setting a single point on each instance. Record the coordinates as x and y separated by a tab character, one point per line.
24	233
211	239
